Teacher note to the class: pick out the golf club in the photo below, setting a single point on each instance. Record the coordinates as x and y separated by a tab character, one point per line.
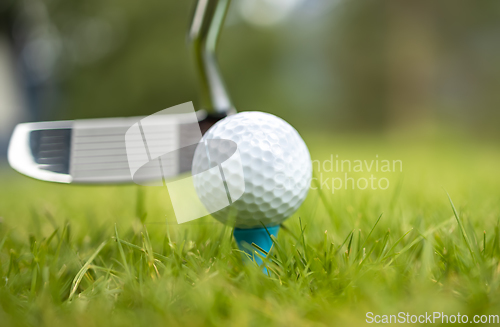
93	151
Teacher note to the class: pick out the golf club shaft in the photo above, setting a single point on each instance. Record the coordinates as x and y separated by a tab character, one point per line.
206	25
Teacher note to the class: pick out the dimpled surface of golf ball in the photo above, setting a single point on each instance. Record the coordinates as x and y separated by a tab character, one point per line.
276	169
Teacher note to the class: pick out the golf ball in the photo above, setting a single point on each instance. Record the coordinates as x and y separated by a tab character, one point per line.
276	169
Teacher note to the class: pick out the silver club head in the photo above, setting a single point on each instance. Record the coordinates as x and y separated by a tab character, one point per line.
93	150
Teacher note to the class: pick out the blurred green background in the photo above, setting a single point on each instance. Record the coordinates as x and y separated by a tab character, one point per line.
376	65
409	80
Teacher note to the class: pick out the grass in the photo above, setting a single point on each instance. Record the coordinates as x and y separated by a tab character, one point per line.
112	255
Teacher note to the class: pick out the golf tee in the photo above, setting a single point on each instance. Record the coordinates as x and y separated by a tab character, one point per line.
258	236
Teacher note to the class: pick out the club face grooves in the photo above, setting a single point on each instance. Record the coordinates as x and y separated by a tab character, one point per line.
51	149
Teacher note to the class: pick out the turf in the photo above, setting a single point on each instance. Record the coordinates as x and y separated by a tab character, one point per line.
113	255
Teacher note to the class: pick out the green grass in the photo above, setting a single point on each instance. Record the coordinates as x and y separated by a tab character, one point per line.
96	256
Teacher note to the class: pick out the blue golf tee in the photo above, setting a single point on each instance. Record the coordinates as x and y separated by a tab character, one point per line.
259	236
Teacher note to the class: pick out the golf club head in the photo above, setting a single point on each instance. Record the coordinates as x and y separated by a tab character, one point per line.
93	150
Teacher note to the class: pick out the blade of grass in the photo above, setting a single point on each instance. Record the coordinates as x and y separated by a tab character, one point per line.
369	234
79	276
345	241
122	253
395	244
462	229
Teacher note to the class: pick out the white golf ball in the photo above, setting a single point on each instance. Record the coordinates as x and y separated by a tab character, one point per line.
276	169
